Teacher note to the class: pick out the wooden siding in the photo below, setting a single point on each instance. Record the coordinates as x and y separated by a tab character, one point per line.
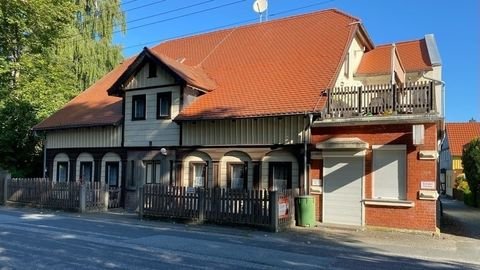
85	137
141	79
254	131
152	131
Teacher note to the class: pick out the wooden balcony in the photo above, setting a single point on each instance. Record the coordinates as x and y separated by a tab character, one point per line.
380	100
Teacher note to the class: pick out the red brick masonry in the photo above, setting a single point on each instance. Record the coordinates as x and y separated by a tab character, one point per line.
422	216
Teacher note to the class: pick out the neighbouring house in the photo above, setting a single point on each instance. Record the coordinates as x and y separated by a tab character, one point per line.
304	102
457	135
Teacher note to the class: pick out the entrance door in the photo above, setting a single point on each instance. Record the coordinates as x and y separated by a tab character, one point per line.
343	190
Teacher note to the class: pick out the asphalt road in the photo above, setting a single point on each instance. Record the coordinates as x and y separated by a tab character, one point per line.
30	239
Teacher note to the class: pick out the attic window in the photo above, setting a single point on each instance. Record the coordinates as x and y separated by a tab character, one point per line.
346	65
152	70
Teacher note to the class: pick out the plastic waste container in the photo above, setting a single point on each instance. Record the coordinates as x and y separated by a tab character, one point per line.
305	208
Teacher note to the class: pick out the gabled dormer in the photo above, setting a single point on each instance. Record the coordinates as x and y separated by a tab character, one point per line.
155	88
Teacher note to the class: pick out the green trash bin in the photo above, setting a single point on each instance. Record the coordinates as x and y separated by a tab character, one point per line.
305	208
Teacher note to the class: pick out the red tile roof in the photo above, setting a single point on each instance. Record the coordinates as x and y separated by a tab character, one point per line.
271	68
93	107
413	56
459	134
194	76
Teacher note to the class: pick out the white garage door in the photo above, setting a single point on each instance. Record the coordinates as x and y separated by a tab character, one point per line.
342	190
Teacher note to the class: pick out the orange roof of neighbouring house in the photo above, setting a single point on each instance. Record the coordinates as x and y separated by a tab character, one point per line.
413	56
93	107
459	134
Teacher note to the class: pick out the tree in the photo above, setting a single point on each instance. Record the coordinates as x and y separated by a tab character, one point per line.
50	50
89	40
471	165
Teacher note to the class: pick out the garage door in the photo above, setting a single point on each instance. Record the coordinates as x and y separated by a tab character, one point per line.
342	190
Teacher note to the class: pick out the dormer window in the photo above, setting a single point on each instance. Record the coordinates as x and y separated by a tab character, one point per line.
152	70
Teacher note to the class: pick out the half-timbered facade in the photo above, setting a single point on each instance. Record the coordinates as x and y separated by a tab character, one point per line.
275	105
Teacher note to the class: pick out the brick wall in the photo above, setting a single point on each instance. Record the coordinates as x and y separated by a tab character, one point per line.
316	173
423	215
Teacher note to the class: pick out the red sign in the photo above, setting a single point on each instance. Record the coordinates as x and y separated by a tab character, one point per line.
283	210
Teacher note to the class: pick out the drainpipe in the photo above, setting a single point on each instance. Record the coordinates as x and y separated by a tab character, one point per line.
45	157
307	130
443	98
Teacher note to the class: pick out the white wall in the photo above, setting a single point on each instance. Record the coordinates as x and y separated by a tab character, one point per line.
61	157
82	158
278	156
355	52
160	132
111	157
197	157
239	157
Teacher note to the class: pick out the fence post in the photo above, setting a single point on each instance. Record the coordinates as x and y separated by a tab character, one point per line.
6	177
201	205
273	203
83	198
141	202
106	197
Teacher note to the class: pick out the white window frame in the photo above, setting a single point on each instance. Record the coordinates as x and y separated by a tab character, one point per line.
393	147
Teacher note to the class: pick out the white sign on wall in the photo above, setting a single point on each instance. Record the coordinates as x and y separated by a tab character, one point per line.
427	185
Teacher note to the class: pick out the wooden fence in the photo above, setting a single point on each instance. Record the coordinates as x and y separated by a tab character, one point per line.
262	208
41	192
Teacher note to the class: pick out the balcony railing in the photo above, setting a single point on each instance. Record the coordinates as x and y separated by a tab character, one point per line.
379	100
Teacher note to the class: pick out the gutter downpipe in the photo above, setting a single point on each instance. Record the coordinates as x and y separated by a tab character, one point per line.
45	157
306	131
443	98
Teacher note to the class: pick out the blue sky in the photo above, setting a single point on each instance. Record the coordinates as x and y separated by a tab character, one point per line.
455	25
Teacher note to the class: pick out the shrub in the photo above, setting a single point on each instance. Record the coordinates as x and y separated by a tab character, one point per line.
469	198
461	183
471	165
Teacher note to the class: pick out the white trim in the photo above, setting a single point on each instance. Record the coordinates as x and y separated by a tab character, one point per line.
390	147
396	147
398	203
341	153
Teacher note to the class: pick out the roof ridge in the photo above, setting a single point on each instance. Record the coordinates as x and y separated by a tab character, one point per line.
257	24
400	42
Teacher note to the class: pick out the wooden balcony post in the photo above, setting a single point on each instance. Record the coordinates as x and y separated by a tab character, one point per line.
394	98
432	92
359	100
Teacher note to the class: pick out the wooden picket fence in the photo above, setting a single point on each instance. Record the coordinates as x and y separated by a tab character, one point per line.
42	192
246	207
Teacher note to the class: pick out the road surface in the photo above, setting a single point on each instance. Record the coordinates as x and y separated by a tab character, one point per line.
30	239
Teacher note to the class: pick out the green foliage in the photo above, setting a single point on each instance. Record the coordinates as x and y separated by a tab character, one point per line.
471	166
19	147
461	183
50	50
